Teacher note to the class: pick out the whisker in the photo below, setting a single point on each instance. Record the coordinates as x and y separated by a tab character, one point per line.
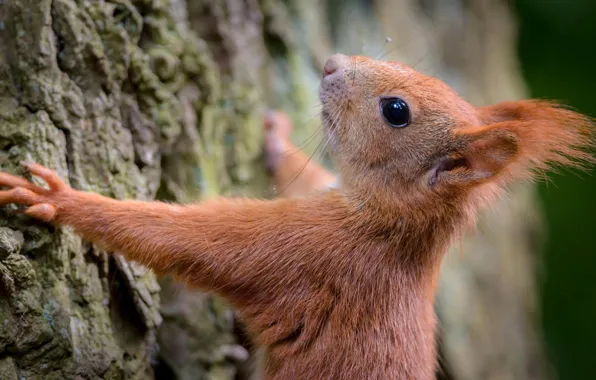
409	41
301	169
313	134
388	40
428	51
350	50
333	124
299	147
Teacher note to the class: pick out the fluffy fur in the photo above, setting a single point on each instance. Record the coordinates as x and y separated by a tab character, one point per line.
340	284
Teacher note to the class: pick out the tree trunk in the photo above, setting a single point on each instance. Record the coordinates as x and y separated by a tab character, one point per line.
164	99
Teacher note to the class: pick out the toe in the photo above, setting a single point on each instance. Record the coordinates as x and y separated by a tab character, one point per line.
46	174
42	211
19	195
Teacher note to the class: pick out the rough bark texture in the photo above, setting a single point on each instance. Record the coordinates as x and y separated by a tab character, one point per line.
164	98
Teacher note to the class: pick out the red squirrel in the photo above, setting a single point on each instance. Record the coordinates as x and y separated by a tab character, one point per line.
339	284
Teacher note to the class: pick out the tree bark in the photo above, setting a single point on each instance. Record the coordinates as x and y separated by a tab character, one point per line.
165	99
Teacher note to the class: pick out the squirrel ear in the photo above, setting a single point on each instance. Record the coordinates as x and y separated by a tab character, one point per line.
517	138
485	152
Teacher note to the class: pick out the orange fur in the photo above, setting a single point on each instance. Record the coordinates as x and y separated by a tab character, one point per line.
338	285
291	169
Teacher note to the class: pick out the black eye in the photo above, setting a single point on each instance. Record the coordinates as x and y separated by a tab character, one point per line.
396	112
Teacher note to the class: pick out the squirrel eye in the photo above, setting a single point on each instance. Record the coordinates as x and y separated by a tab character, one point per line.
396	112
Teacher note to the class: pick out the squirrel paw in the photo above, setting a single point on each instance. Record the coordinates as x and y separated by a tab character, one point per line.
278	128
40	199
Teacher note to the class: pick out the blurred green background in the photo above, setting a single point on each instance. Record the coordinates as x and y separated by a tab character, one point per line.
558	55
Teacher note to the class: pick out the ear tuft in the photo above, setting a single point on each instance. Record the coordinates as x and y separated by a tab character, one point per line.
516	140
548	135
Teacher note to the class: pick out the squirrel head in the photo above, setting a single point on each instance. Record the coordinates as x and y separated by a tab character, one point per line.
409	138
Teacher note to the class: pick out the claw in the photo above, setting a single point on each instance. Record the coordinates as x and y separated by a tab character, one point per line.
13	181
24	192
46	174
19	195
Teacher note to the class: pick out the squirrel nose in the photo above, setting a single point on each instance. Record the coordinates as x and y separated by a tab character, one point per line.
334	63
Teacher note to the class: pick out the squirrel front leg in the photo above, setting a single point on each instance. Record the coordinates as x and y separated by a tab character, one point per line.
246	251
294	173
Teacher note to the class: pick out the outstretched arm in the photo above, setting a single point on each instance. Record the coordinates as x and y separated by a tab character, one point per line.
248	251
